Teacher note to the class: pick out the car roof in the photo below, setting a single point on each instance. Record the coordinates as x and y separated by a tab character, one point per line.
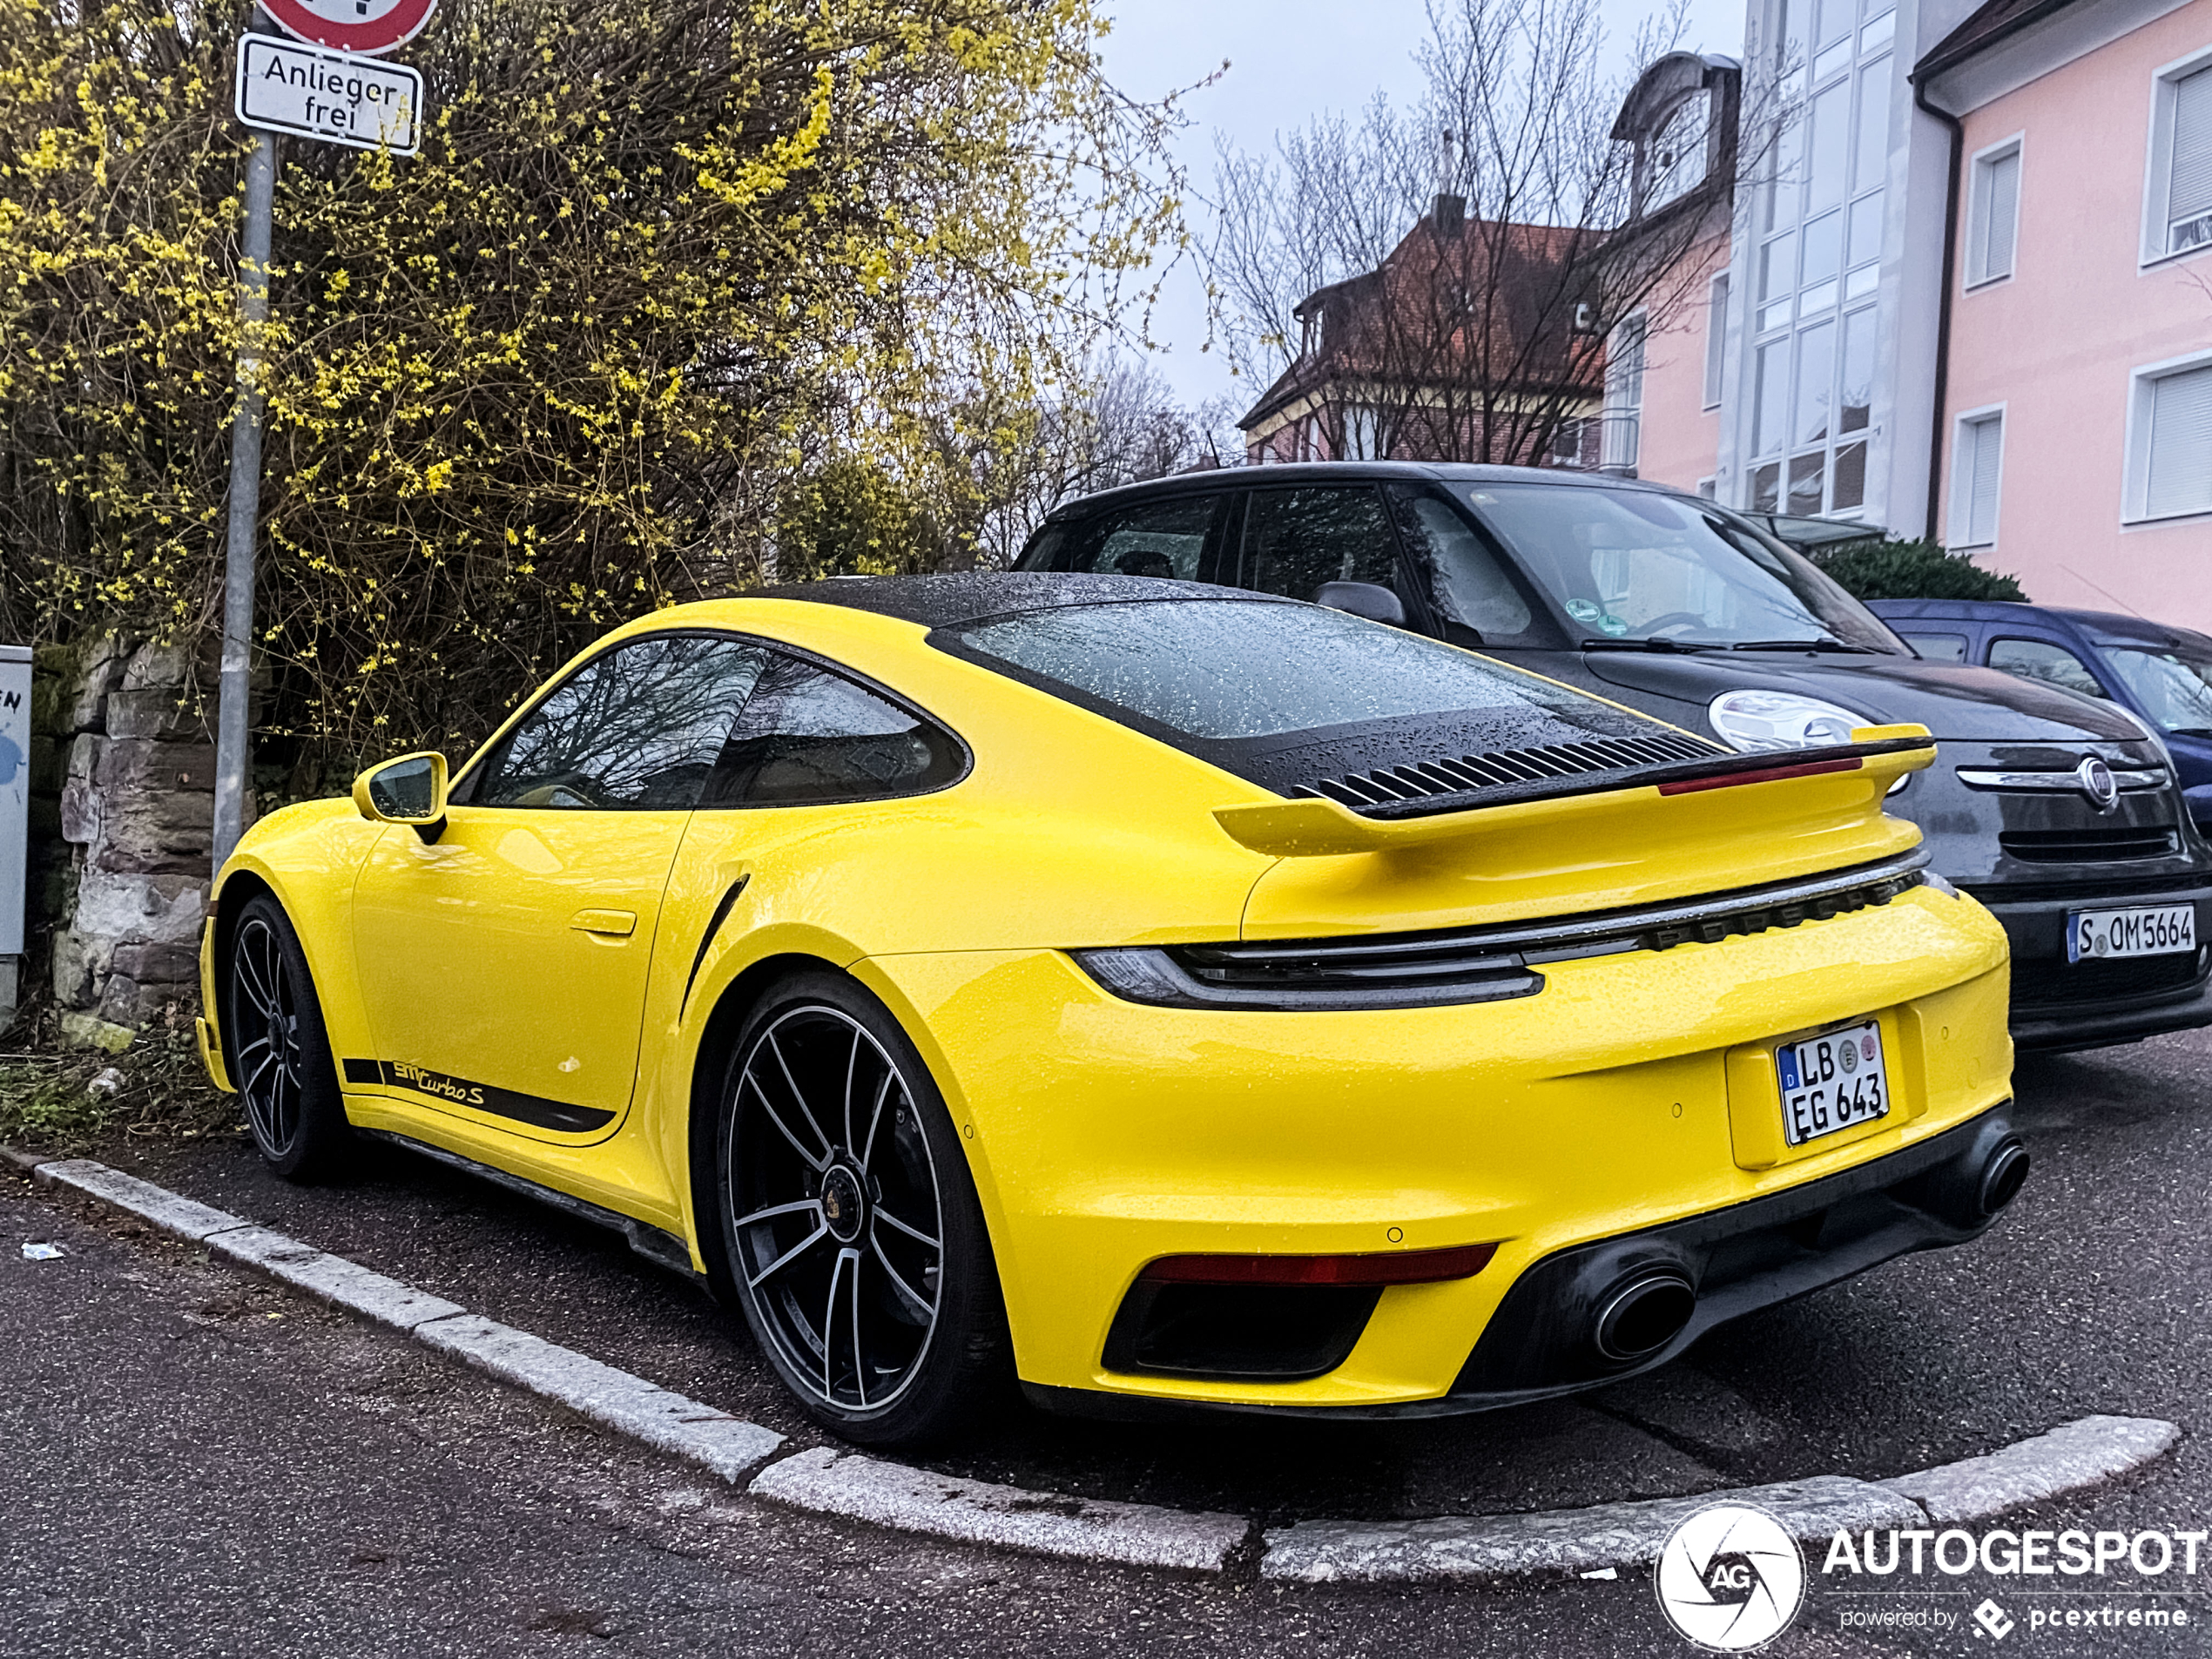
954	599
1208	479
2106	627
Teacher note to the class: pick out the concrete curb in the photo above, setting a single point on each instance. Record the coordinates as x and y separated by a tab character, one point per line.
2084	1453
825	1480
615	1399
1556	1541
893	1494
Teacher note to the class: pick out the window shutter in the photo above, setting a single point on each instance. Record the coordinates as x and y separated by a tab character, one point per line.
2001	184
1974	514
2181	444
2189	190
1715	338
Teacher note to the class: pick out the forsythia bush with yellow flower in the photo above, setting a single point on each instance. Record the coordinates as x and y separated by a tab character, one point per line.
659	264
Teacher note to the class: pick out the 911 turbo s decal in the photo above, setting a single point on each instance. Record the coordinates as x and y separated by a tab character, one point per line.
534	1110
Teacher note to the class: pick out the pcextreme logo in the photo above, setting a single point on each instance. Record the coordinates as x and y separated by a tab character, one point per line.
1730	1578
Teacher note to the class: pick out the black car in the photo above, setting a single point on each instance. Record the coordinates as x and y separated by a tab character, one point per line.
2059	813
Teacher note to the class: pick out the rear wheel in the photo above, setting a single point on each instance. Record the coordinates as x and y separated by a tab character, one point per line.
278	1055
849	1224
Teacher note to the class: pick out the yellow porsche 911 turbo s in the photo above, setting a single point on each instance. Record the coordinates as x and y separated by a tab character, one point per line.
1159	994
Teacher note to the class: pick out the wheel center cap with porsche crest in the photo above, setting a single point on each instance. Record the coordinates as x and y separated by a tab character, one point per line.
842	1204
2098	783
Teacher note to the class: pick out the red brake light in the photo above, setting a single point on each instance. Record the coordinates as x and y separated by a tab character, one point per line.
1386	1267
1764	775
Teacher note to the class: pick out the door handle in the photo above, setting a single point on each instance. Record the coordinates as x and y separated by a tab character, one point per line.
618	924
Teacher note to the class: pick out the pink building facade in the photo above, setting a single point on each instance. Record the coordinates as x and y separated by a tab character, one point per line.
2077	425
1678	417
2018	363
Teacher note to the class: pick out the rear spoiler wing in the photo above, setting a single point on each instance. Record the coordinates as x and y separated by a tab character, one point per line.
1321	828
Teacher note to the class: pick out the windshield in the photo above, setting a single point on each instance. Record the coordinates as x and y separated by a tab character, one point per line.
1224	670
1633	566
2174	688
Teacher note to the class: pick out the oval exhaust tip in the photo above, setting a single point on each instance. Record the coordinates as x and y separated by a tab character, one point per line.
1644	1315
2002	1176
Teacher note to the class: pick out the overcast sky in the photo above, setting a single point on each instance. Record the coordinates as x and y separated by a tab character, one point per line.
1291	60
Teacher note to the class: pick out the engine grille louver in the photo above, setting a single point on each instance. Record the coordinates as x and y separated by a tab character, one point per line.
1473	772
2090	845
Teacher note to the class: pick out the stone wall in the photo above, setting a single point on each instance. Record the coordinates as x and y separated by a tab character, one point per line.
132	764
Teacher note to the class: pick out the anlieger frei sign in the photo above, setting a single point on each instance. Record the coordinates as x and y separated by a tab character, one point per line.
331	96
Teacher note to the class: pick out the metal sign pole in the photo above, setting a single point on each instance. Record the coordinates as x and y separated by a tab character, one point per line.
231	729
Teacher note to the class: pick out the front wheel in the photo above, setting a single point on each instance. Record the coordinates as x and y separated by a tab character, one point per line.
279	1054
849	1225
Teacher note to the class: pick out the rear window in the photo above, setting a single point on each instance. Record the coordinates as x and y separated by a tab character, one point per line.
1238	669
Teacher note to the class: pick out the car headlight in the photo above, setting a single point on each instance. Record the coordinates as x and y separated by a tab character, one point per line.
1750	721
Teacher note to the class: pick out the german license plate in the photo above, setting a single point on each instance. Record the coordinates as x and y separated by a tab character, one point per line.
2163	930
1832	1082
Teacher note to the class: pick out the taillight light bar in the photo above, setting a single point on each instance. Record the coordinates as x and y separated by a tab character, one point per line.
1764	775
1387	1267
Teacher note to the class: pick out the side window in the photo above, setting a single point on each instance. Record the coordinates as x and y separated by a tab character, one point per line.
2034	659
1467	583
1158	539
637	728
1937	648
809	736
1295	540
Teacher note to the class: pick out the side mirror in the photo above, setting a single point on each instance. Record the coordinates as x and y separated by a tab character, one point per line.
410	791
1367	599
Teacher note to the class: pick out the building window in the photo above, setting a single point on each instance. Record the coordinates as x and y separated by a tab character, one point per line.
1623	394
2170	439
1976	468
2178	216
1363	433
1676	157
1566	448
1715	338
1993	213
1808	354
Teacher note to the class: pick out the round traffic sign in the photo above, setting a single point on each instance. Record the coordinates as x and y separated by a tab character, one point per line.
368	26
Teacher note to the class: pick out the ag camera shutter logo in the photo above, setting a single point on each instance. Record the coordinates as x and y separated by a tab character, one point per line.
1730	1578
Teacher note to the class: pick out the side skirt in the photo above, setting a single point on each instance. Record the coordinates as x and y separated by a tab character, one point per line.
656	1245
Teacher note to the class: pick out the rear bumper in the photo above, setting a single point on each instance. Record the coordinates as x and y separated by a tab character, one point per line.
2058	1006
1538	1345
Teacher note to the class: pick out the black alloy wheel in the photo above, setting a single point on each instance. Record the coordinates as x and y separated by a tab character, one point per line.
853	1235
276	1050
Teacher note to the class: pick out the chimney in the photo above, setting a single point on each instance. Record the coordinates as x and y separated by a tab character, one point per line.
1450	213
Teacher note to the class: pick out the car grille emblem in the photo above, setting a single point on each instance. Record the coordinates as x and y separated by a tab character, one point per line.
2098	783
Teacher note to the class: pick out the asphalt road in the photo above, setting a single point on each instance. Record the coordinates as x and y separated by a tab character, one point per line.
190	1475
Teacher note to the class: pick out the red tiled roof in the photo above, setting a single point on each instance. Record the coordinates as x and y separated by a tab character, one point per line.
1476	307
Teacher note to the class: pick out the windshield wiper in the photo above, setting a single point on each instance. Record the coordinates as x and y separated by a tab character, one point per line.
1823	644
1653	644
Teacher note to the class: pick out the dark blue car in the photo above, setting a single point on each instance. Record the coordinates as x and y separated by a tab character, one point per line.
2161	672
